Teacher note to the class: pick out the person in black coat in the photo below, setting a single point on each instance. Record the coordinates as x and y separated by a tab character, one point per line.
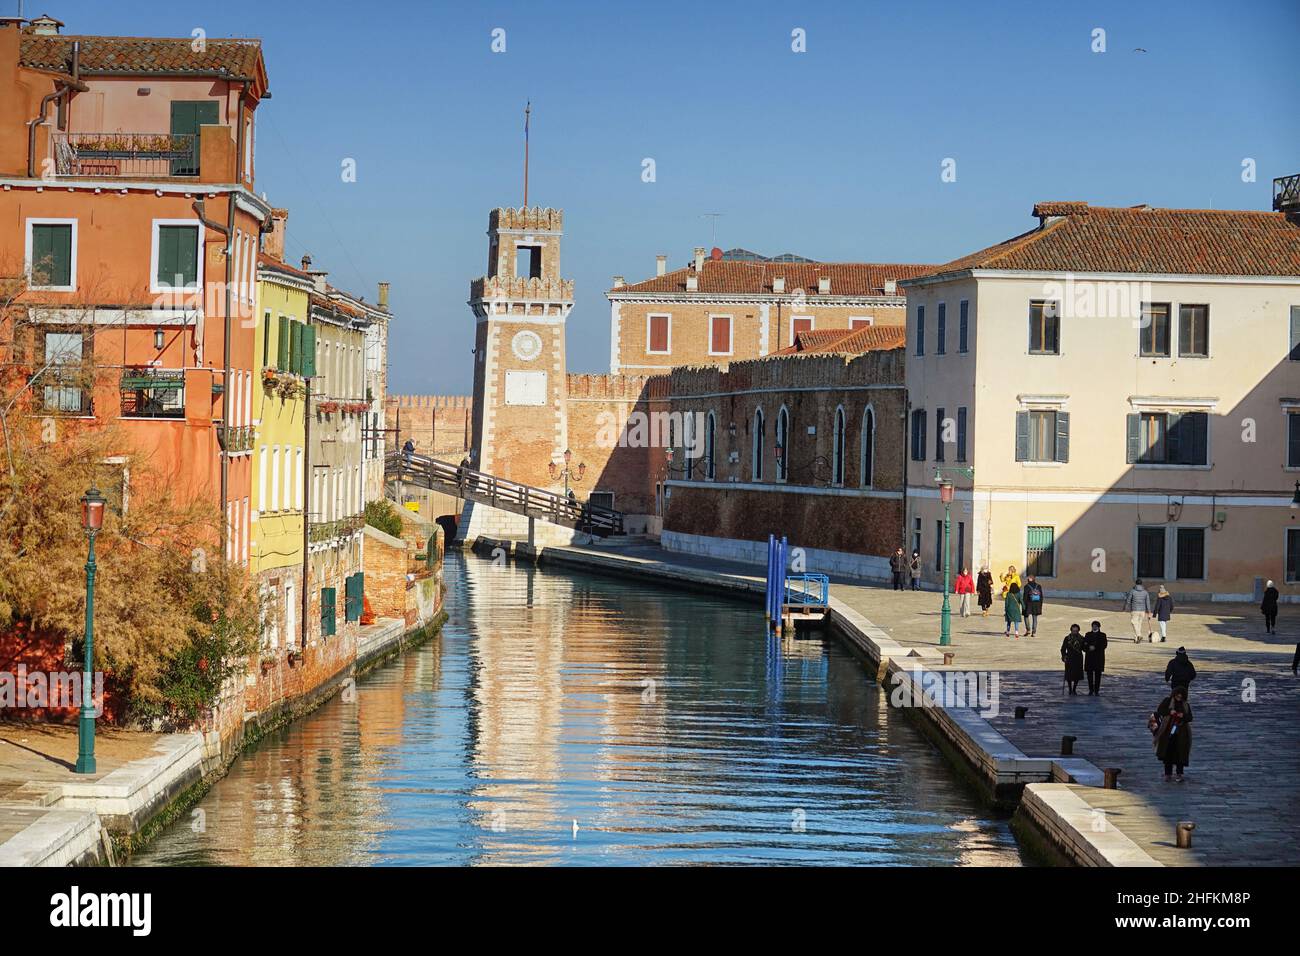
1269	607
1032	595
1172	726
898	568
984	587
1094	656
1072	657
1179	672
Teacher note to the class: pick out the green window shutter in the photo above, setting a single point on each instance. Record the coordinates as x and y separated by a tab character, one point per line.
1133	437
1176	446
327	612
52	254
282	345
309	351
178	255
295	347
1195	438
1293	440
1022	436
1295	333
1062	436
266	339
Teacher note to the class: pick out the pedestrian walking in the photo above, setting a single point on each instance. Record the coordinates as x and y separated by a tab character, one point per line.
964	587
1269	607
1171	725
1011	577
408	450
898	568
984	585
915	567
1013	610
1094	656
1180	672
1138	604
1032	594
1072	658
1164	610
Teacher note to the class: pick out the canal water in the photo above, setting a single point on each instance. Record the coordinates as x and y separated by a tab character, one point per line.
562	718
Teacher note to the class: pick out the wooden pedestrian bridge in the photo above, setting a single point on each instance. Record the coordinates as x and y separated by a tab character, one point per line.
464	482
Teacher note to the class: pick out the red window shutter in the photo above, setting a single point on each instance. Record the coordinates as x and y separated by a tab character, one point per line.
859	323
800	324
721	328
658	333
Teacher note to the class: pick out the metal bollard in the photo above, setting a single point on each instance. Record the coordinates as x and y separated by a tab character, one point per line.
1111	778
1020	712
1184	831
1067	745
948	656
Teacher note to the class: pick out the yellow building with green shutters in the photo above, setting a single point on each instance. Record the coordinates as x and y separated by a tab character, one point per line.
285	353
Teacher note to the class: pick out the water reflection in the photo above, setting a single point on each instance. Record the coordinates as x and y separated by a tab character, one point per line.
566	719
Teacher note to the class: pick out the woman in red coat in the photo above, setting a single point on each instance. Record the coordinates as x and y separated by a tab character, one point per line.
965	587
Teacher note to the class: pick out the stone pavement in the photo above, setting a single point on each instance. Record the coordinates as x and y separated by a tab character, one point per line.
36	759
1244	778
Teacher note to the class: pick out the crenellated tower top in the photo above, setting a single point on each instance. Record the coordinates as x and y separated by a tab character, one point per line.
523	267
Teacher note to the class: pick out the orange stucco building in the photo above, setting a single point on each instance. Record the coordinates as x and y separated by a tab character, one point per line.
127	205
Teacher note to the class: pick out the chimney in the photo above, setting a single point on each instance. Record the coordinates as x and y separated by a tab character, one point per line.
383	296
661	265
778	284
823	285
891	287
618	282
11	30
274	244
45	25
699	257
306	263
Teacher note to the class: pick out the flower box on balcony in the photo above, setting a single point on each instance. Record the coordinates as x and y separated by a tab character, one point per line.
328	407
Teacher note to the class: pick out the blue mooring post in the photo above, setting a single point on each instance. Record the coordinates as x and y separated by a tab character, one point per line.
780	582
767	594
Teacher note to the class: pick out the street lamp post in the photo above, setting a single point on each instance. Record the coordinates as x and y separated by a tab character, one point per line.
92	519
567	472
945	495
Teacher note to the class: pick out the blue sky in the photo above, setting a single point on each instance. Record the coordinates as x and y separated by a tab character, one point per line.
834	153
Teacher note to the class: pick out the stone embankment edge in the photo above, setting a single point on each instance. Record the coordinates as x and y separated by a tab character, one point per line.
1054	823
105	821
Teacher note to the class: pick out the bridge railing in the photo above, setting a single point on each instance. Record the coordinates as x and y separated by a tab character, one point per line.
503	493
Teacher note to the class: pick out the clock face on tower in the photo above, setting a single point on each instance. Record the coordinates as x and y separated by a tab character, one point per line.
526	345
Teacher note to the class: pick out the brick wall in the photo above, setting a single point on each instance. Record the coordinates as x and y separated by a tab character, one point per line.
441	425
809	506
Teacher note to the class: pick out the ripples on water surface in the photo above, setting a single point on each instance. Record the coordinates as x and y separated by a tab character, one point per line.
661	722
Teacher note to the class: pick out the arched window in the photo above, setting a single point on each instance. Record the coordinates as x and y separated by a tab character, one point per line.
782	444
866	475
709	426
837	452
758	440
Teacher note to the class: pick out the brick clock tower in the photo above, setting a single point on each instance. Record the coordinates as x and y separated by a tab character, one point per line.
520	307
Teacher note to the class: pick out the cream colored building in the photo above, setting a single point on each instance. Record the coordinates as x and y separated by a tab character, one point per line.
1125	384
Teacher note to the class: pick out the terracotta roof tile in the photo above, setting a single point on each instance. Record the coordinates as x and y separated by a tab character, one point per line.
143	55
727	277
1076	237
853	341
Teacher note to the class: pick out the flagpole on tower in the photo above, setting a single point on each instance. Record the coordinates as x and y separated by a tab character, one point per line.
528	108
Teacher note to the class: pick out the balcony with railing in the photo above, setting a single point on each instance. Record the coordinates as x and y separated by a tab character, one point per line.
126	155
153	393
319	530
1286	194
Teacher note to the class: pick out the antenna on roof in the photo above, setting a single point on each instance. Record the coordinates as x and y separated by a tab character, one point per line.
713	218
528	108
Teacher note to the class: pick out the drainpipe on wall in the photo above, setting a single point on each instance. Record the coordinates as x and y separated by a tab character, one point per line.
62	90
907	411
306	499
225	349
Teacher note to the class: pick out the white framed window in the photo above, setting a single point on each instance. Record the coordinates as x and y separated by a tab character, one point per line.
659	333
720	335
801	323
861	321
262	503
50	258
176	256
757	438
288	476
297	485
867	452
